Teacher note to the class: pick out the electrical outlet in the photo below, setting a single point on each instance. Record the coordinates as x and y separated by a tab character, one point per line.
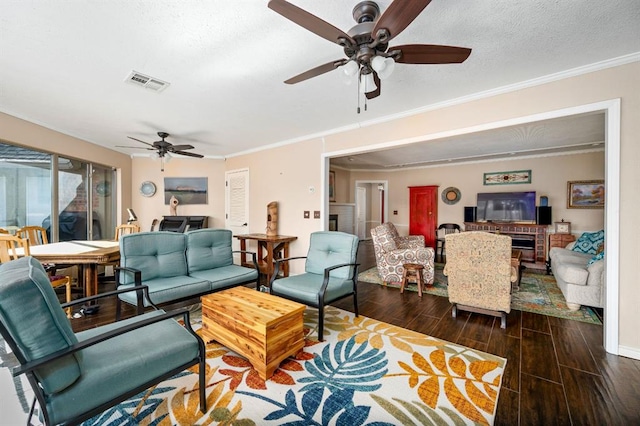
316	214
306	214
395	212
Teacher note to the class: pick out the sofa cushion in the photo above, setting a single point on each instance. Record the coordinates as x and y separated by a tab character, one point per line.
589	242
32	315
163	290
226	276
208	249
329	248
156	254
305	288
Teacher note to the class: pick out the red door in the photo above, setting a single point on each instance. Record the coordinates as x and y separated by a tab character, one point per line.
423	212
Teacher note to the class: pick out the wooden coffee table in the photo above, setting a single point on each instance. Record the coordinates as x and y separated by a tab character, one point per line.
264	328
516	262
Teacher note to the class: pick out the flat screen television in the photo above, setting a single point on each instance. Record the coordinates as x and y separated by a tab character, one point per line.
513	207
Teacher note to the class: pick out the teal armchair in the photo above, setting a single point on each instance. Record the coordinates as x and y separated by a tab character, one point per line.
76	376
331	273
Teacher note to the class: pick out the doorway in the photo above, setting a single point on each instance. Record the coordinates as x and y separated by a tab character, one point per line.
371	205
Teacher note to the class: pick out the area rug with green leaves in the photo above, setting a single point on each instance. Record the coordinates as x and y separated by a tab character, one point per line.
539	293
366	372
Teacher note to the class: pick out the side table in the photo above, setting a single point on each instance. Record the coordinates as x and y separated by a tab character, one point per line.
269	248
558	240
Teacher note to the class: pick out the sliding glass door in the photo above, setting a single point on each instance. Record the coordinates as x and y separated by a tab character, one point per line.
42	189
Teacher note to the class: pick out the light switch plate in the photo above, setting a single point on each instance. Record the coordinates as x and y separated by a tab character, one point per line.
316	214
306	214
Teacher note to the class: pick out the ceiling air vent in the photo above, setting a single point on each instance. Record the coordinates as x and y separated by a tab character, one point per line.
147	82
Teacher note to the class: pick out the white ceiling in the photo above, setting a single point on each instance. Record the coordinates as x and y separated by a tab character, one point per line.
63	65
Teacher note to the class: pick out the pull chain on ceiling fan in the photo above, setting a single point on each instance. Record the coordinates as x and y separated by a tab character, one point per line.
366	47
165	149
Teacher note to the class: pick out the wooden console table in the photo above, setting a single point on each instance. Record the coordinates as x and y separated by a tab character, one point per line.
529	238
269	248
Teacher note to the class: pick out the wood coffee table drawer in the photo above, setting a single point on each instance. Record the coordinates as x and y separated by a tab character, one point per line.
264	328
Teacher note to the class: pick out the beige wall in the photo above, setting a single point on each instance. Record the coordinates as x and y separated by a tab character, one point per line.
549	177
285	175
149	208
21	132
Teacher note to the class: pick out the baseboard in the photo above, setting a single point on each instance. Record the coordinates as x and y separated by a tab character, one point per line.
629	352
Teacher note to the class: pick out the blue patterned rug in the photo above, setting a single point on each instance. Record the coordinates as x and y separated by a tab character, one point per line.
366	372
539	293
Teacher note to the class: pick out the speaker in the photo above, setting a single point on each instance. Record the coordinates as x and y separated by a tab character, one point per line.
470	214
543	215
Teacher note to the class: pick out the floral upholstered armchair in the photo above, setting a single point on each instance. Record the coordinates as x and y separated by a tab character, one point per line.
480	273
393	251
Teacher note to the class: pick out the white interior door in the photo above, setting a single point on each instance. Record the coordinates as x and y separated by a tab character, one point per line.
237	201
361	212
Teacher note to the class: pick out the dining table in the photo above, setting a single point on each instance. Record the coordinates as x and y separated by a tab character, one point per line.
86	254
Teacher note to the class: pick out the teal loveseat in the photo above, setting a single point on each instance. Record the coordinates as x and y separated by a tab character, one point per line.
178	266
77	375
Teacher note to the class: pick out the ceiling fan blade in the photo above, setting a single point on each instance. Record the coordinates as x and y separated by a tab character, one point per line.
188	154
314	72
398	16
180	147
310	22
146	143
431	54
374	93
133	147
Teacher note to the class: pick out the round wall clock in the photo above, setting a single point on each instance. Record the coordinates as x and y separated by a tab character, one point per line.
148	189
451	195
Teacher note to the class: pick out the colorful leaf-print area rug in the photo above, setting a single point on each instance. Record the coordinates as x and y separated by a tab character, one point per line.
539	293
366	372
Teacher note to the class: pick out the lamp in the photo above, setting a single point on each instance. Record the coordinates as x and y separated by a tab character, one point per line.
383	66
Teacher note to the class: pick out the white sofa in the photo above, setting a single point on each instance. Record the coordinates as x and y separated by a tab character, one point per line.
581	284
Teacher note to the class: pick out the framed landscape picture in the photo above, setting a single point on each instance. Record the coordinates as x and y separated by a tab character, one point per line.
186	190
585	194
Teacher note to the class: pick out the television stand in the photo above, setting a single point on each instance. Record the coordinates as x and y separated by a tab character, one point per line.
530	239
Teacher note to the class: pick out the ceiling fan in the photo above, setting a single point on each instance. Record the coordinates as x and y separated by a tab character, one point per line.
366	44
164	149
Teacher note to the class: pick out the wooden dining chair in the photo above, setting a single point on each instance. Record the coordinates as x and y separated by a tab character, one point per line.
12	247
36	235
4	231
125	230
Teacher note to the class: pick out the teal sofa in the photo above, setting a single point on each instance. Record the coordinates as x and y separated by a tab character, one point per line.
176	266
76	376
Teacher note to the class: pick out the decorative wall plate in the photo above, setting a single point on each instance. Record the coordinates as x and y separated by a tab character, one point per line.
148	189
451	195
103	188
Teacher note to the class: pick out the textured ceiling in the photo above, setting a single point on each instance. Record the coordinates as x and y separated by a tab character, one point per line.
63	64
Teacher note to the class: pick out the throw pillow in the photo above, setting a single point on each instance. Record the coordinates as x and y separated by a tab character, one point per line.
589	242
595	258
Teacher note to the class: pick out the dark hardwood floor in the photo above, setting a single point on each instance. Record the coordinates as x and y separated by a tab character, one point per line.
557	370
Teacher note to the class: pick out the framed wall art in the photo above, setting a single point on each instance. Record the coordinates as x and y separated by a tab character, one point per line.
332	186
585	194
504	178
186	190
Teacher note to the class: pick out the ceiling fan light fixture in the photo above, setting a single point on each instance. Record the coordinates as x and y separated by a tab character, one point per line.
155	156
383	66
350	68
367	84
167	157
